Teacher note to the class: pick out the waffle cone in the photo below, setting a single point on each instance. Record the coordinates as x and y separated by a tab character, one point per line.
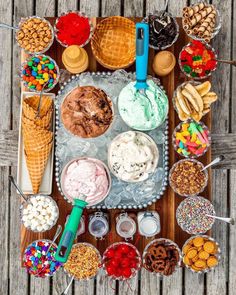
113	42
36	162
30	106
37	140
43	122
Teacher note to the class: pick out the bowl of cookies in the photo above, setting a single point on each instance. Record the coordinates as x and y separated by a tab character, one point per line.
192	100
162	257
201	21
35	34
201	253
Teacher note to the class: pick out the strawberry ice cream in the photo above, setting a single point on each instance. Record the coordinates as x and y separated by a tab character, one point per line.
85	178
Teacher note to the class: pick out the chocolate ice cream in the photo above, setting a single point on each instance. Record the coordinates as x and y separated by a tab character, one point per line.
87	112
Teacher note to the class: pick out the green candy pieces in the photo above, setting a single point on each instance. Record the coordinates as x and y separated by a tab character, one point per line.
187	69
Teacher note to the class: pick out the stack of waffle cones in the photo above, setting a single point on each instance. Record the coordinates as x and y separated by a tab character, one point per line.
113	42
38	138
200	20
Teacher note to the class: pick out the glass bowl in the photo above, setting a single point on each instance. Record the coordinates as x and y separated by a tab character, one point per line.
31	199
191	215
67	197
70	274
185	194
209	47
80	14
167	242
154	149
24	19
191	155
158	13
134	270
215	30
33	259
46	89
217	254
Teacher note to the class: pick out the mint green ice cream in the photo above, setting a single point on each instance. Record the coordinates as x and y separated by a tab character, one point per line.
143	111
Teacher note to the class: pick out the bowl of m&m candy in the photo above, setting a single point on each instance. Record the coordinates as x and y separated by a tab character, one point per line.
121	261
191	139
40	72
197	60
39	260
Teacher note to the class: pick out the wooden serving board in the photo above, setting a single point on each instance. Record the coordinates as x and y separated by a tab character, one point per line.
169	202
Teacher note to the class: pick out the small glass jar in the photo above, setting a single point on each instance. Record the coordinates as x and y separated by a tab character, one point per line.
98	225
149	223
125	226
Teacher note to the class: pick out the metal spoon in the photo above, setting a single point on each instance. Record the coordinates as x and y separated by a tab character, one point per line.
214	162
40	99
2	25
166	5
12	180
68	286
230	62
58	231
225	219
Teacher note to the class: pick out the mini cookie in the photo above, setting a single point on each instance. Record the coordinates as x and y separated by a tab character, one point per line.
195	258
203	255
200	263
187	261
212	261
198	241
196	268
191	253
209	247
186	248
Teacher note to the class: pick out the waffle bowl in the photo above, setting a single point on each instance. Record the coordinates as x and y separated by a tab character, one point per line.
113	42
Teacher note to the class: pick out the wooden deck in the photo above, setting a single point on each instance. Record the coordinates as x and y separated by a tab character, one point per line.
13	279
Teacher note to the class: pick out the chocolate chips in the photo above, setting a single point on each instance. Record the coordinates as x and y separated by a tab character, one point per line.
163	30
162	256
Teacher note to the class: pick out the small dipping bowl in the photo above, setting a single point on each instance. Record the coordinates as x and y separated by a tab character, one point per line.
81	14
215	30
73	266
98	225
191	253
69	198
154	150
35	261
35	220
153	253
119	257
25	67
184	174
191	215
190	149
184	62
22	21
172	40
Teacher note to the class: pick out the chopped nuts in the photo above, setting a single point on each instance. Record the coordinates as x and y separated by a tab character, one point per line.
186	178
34	34
83	262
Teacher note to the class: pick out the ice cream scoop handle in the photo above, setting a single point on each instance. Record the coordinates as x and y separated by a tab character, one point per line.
2	25
142	43
70	230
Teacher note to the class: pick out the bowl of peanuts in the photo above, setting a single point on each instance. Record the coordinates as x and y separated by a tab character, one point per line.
34	34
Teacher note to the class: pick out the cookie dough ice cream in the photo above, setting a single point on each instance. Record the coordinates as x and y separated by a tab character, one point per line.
85	177
143	111
133	156
87	112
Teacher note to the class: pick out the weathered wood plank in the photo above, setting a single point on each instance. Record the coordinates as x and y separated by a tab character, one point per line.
110	8
149	283
233	88
60	281
232	235
90	10
39	286
8	147
216	280
47	8
152	5
4	228
193	282
104	285
133	8
65	5
173	285
175	7
130	287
